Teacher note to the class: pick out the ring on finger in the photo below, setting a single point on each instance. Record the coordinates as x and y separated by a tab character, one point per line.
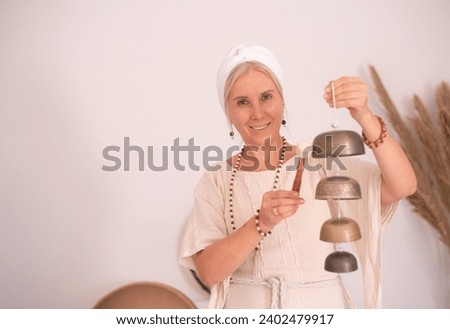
274	211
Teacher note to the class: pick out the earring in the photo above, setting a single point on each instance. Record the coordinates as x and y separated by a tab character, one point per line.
231	132
283	122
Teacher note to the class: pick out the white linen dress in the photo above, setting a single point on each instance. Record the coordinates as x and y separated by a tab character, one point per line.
288	269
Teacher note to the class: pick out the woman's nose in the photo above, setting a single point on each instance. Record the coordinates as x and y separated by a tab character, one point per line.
257	110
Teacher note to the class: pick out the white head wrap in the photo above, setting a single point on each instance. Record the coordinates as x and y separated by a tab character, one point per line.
241	54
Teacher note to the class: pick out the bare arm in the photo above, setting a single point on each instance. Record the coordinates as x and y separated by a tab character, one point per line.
217	261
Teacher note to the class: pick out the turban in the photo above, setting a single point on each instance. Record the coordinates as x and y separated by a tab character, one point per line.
241	54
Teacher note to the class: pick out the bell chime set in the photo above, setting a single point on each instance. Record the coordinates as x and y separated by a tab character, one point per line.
338	229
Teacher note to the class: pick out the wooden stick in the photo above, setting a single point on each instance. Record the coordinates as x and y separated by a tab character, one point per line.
298	176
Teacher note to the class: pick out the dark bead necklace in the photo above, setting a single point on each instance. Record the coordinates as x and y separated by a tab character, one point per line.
275	185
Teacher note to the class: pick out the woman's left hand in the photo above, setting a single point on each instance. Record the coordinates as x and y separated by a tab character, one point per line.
352	93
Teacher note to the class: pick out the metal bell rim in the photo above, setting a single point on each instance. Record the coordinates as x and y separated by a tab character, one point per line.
323	193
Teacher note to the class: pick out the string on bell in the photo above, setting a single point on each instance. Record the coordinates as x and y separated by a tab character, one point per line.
335	123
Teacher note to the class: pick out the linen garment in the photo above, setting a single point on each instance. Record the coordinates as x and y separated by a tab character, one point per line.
288	269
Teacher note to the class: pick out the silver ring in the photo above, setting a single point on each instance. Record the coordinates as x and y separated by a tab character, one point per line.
274	211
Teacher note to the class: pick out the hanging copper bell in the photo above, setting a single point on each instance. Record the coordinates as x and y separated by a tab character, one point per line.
341	262
337	143
338	188
339	230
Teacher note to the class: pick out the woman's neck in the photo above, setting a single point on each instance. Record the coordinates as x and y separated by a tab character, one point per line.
264	157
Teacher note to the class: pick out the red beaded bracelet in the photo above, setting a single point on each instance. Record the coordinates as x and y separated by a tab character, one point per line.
380	139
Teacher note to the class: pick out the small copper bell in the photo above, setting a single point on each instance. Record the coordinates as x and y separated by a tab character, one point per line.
338	230
341	262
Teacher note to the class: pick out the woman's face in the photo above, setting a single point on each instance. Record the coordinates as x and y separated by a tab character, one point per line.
255	108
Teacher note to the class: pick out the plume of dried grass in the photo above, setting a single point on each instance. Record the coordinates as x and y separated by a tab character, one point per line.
426	141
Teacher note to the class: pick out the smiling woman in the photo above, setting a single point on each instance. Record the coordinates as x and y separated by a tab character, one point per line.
254	239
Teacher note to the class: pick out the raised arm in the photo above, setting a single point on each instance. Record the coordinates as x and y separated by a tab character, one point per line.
398	178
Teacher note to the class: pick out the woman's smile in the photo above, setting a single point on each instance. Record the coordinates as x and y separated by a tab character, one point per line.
260	127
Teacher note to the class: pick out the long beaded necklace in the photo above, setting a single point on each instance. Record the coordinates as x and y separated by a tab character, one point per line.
275	184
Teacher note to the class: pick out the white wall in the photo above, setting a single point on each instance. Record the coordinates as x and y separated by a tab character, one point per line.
77	76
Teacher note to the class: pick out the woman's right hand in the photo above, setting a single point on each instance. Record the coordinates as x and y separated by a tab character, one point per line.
276	206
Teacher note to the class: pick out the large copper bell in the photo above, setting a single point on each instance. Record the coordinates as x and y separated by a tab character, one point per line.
338	143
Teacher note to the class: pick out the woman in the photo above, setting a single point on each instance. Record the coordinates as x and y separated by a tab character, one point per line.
252	238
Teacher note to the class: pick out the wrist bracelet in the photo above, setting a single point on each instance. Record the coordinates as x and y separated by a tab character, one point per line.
258	228
380	139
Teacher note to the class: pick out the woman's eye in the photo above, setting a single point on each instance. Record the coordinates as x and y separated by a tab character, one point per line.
266	97
242	102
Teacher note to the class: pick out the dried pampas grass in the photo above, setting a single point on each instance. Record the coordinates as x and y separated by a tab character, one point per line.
426	141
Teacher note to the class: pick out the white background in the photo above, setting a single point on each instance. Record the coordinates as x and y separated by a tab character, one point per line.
78	76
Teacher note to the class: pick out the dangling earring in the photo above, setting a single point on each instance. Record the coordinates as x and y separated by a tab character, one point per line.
283	119
231	132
